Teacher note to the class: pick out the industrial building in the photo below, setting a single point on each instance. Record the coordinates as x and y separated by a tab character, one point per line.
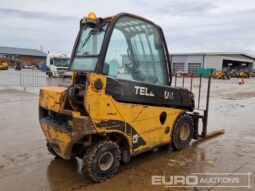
22	55
189	62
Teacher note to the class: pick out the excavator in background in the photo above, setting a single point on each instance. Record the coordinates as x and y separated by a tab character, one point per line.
120	102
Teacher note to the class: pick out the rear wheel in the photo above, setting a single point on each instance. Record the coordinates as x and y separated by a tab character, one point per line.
102	161
183	132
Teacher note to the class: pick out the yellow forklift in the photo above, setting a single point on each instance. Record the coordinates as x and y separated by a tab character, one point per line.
120	102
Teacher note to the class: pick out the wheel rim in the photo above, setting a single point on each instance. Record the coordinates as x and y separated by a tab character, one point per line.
105	161
185	131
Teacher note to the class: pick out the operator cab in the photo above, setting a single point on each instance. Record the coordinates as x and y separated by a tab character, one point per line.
132	53
124	47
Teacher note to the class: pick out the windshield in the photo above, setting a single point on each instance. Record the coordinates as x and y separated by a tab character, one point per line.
136	52
88	48
61	62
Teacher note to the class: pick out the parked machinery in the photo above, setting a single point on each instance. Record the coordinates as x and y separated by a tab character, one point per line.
224	74
4	65
244	73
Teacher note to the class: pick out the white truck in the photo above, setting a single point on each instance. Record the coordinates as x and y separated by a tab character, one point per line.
57	64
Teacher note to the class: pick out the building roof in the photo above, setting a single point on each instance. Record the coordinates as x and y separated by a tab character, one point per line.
21	51
213	53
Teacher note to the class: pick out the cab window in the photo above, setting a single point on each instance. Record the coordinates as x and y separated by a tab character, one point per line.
136	52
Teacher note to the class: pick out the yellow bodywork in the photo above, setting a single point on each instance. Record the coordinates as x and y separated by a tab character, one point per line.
219	75
53	98
132	121
61	138
143	118
4	66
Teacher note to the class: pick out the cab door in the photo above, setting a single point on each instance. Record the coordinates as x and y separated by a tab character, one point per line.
136	54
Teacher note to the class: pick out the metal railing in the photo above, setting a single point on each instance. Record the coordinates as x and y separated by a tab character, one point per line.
201	87
26	78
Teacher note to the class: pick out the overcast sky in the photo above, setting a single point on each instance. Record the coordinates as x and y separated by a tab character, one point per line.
189	25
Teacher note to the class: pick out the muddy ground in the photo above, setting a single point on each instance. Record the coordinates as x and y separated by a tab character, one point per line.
25	163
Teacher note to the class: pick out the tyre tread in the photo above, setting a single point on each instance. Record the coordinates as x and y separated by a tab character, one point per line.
89	158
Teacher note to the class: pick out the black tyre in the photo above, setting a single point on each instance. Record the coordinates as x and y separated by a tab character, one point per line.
49	74
183	132
51	151
102	161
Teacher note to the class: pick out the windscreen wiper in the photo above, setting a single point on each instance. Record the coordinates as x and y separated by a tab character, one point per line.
87	39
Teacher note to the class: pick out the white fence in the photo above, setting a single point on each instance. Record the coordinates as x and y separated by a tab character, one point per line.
26	78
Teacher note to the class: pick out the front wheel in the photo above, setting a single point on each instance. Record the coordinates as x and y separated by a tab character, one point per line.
183	132
49	74
102	161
